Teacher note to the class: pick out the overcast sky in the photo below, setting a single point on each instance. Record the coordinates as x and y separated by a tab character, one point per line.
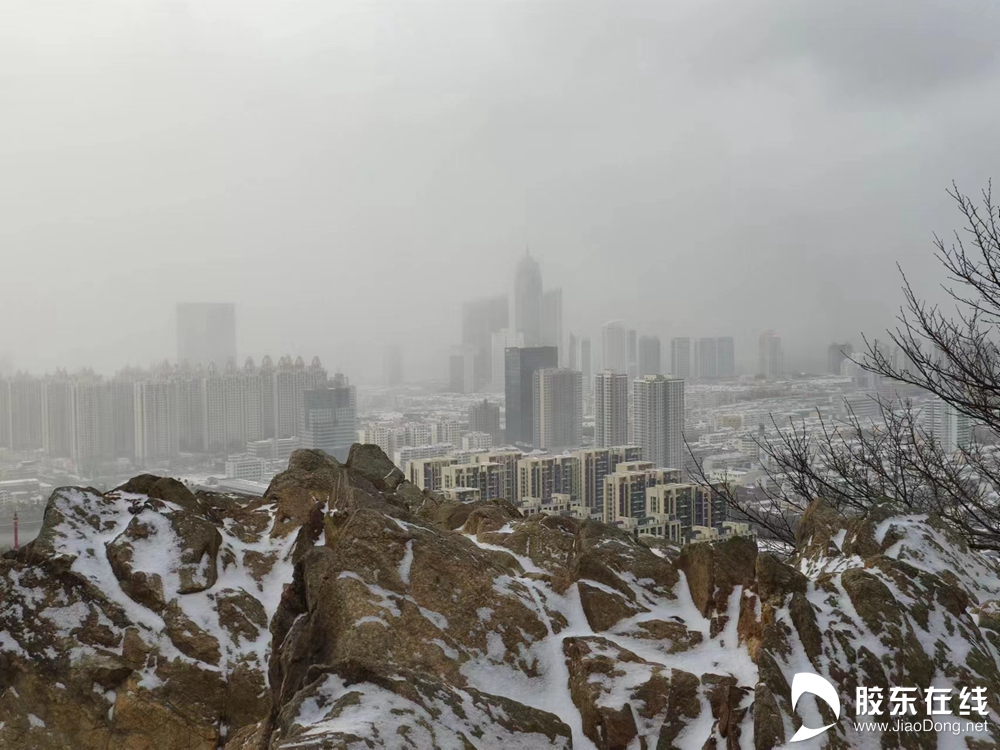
349	173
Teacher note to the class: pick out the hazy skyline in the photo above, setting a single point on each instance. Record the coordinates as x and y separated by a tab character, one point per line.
349	173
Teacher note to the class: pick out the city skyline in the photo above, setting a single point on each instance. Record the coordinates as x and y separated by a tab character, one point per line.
488	324
408	204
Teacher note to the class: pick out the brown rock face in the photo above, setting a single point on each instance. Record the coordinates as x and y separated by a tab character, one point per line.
348	609
714	570
117	631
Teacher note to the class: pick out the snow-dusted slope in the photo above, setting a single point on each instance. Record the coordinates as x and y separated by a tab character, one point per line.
139	617
347	609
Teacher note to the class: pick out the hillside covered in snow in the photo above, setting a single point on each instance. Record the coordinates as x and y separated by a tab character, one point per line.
349	609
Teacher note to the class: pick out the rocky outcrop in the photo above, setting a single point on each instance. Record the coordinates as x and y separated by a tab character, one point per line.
139	619
349	609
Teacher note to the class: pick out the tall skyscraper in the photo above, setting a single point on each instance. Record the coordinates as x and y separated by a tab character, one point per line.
331	422
586	365
633	355
292	379
726	356
191	411
268	396
649	356
26	415
552	322
392	363
950	428
659	420
836	355
462	370
480	320
614	342
502	340
558	409
93	421
57	409
770	355
123	414
707	359
206	334
485	417
528	301
232	403
680	358
573	354
156	434
519	378
610	409
5	441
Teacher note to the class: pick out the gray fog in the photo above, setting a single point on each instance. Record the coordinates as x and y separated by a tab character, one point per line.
349	173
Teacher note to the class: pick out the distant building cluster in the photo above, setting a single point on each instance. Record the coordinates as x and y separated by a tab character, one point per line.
611	484
608	427
148	417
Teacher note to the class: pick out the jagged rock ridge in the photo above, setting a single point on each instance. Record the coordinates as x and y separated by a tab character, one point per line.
349	609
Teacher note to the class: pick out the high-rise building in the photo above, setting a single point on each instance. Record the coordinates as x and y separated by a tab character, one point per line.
707	359
573	354
558	409
610	409
542	476
659	420
331	423
268	398
726	351
486	477
836	355
770	356
480	320
633	354
586	365
625	488
614	342
123	414
5	441
501	341
93	421
26	413
593	465
392	363
426	472
950	428
485	417
552	321
519	379
292	379
206	334
156	435
58	428
190	411
528	301
649	356
508	462
680	358
446	431
232	408
462	370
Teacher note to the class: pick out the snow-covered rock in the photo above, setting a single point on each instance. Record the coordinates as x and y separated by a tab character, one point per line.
348	609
